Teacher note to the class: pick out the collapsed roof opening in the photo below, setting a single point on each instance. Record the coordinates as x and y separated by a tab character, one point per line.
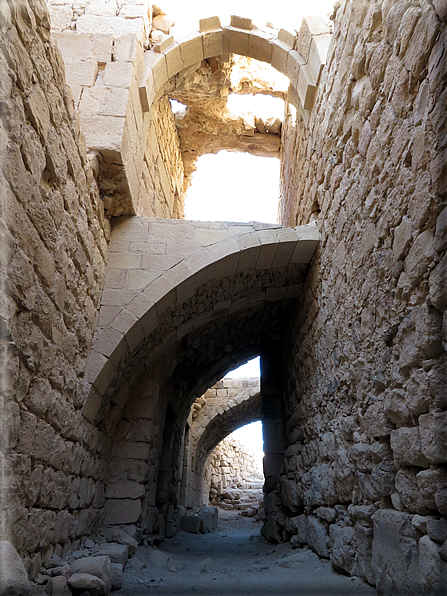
234	187
252	368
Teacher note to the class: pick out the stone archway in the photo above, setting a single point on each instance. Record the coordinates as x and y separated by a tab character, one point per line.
238	404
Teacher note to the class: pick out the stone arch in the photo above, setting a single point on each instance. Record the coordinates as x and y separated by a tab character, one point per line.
239	404
158	266
115	81
302	66
223	425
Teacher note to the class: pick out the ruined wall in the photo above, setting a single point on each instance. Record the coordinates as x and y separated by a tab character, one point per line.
103	45
228	464
54	242
366	370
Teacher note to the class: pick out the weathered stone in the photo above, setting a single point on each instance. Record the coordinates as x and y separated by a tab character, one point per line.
118	553
432	568
85	581
407	447
99	567
395	547
317	536
13	576
433	431
419	256
437	529
193	524
437	284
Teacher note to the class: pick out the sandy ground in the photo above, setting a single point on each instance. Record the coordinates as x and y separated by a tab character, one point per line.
233	560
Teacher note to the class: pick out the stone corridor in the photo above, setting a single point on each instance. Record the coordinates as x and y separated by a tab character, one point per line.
117	314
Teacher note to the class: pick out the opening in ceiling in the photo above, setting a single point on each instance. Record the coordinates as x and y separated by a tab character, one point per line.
232	186
261	106
247	370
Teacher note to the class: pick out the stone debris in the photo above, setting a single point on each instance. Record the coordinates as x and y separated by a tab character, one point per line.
13	575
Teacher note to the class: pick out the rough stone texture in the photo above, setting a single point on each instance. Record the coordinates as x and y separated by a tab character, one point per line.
13	576
353	400
54	241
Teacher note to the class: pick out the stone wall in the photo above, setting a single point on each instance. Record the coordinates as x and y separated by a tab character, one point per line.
54	240
103	45
228	464
366	368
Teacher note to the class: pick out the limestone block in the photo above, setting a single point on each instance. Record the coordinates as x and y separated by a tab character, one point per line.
306	87
343	551
76	46
419	257
433	569
437	380
122	490
407	448
114	101
174	62
103	133
241	22
289	494
118	74
58	586
81	73
422	40
395	552
191	49
121	537
210	516
433	430
13	576
317	536
124	47
118	553
213	43
287	37
259	46
407	487
402	238
101	9
86	581
37	107
122	511
99	567
294	64
236	41
91	100
117	576
115	26
440	241
163	23
209	24
192	524
156	65
60	17
437	529
319	48
310	27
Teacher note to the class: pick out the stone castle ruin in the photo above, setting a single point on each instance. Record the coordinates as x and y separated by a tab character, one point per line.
117	313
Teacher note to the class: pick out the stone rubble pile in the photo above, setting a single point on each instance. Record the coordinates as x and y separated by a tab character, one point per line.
96	567
245	495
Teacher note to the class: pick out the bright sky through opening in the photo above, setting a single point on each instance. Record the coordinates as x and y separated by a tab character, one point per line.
233	186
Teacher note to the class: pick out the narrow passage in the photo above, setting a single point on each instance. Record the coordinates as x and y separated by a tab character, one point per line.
233	560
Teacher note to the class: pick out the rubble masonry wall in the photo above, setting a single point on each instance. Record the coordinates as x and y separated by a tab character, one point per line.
366	366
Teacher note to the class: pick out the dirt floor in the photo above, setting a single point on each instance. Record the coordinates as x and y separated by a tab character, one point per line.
233	560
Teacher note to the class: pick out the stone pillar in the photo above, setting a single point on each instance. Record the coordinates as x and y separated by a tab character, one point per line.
273	423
